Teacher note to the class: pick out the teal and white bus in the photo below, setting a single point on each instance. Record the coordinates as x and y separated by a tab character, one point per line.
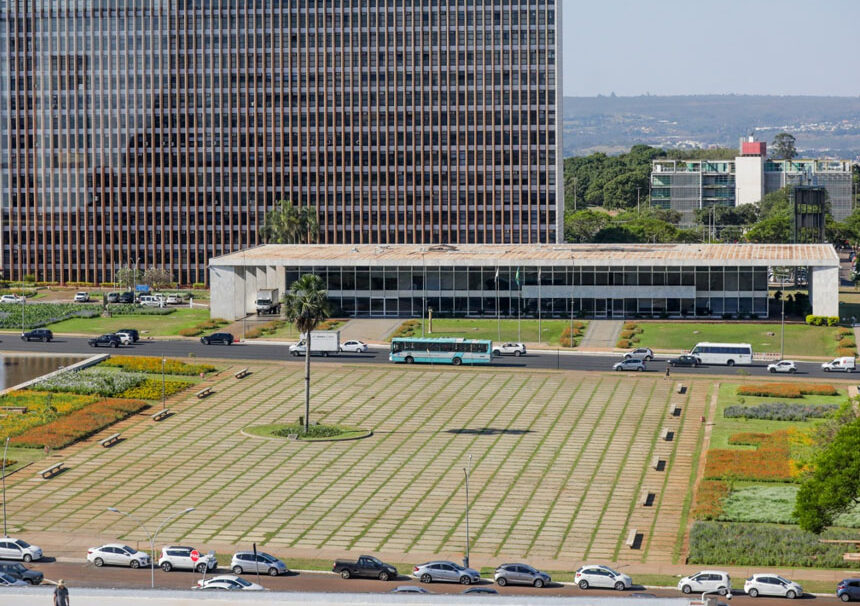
441	351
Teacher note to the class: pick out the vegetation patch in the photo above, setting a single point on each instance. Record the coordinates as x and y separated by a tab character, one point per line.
93	381
316	432
201	327
151	389
780	411
42	407
131	309
709	499
769	461
408	329
787	390
153	365
42	314
570	334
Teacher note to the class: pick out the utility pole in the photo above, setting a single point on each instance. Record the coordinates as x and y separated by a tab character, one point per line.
574	194
467	470
637	199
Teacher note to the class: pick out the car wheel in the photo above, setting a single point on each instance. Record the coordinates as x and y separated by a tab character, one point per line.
686	589
273	572
98	562
639	369
730	363
345	573
465	580
425	578
23	338
114	345
409	360
790	594
28	558
497	353
617	368
201	568
457	361
619	586
583	584
502	581
518	353
33	581
166	566
792	370
538	583
383	576
722	591
753	593
844	597
134	563
772	370
649	358
237	570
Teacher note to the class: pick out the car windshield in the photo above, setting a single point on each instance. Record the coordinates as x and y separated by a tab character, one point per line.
613	572
242	582
458	567
23	544
266	557
372	560
782	580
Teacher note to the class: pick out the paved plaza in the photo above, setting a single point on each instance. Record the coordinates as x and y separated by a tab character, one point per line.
562	465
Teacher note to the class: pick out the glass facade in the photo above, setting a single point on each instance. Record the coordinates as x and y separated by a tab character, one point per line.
159	133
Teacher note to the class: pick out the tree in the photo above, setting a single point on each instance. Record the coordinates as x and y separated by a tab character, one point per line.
581	226
128	275
783	147
157	278
773	230
306	305
289	224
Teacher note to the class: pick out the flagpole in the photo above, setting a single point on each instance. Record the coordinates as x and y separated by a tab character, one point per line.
519	306
498	310
539	310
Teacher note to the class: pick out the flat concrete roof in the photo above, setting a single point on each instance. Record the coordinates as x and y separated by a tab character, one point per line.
750	255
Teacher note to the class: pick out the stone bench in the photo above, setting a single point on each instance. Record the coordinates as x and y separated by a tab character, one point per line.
681	388
667	434
20	409
161	414
242	373
658	463
674	409
110	440
647	498
632	538
204	392
51	471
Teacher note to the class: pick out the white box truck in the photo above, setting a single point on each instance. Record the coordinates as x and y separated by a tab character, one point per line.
267	301
323	343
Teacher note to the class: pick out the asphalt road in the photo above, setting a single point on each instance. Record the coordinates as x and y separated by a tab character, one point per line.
86	575
543	359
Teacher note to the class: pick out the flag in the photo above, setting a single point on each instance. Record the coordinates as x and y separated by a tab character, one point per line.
497	274
517	277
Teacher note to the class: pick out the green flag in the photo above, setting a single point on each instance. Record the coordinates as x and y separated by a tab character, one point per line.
517	277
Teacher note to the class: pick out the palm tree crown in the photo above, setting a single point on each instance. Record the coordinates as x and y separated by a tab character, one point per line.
290	224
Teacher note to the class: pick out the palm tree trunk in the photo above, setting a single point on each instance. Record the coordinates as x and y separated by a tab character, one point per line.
308	382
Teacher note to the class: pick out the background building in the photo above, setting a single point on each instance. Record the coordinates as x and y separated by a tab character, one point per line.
159	133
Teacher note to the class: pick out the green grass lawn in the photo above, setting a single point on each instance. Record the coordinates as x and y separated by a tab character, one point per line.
154	326
511	330
800	339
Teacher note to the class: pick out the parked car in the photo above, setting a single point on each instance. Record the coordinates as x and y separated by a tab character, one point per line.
151	301
173	299
117	554
132	332
630	364
179	557
124	338
354	346
228	582
113	297
409	589
11	299
126	297
82	297
843	364
110	340
7	580
848	589
445	571
17	549
509	349
365	566
597	575
38	334
224	338
19	571
770	584
706	581
480	590
640	353
521	574
684	360
782	366
243	561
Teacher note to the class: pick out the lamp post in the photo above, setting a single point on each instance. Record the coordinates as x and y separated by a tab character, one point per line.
163	390
5	450
467	470
152	537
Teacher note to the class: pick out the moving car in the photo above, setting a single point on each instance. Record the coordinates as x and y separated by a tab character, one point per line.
783	366
771	584
848	589
597	575
19	571
640	353
445	571
228	582
354	346
706	581
173	299
481	590
179	557
509	349
630	364
124	338
409	589
38	334
126	297
132	332
82	297
244	561
843	364
521	574
110	340
11	299
17	549
365	566
684	360
113	297
117	554
222	338
7	580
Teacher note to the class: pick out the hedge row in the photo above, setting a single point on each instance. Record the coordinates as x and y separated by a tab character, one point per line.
787	390
780	411
822	320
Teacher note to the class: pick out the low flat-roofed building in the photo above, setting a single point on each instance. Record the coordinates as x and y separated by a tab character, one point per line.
560	280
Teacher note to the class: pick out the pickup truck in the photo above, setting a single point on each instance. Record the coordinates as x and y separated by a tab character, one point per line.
366	566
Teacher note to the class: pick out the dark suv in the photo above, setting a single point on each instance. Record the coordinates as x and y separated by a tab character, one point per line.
224	338
19	571
110	340
848	589
131	332
126	297
39	334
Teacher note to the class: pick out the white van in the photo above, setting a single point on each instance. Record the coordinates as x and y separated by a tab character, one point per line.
151	301
845	364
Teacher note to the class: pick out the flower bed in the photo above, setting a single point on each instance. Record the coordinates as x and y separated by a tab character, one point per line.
153	365
770	461
780	411
787	390
150	389
568	336
41	408
98	381
41	314
709	499
79	424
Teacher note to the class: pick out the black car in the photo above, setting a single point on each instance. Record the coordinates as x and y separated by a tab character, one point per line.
132	332
39	334
110	340
224	338
19	571
481	590
685	360
126	297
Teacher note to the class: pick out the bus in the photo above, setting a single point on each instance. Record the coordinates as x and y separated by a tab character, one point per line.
723	353
441	351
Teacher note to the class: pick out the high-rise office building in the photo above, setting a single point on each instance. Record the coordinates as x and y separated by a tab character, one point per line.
158	133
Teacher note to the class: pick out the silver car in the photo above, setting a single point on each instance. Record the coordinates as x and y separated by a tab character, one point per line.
117	554
445	571
640	353
521	574
630	364
243	561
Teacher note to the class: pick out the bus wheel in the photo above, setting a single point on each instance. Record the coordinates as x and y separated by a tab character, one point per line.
409	360
456	361
730	363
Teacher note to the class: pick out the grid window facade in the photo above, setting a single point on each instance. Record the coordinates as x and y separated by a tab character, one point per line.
159	133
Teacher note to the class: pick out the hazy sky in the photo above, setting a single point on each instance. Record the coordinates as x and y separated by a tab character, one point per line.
682	47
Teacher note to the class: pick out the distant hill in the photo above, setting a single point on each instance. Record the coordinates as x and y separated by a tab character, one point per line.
824	126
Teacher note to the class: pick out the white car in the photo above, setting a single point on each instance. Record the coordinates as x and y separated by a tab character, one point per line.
124	338
640	353
706	581
630	364
16	549
179	557
82	297
354	346
173	299
509	349
771	584
11	299
782	366
597	575
117	554
228	582
7	580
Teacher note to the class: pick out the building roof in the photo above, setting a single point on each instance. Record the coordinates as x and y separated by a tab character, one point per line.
821	255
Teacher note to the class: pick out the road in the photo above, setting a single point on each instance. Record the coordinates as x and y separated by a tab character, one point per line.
537	359
86	575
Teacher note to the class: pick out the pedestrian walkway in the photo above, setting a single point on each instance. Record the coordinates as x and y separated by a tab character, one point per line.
369	329
602	334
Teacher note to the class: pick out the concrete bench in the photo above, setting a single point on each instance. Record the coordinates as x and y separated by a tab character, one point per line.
674	409
204	392
632	538
647	498
658	463
52	470
681	388
110	440
161	414
667	434
20	409
242	373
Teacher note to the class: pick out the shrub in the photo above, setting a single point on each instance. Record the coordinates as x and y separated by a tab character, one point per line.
407	329
787	390
192	331
314	431
623	344
626	334
29	277
330	324
780	411
846	351
568	337
199	285
822	320
843	331
153	365
770	461
92	381
709	499
629	326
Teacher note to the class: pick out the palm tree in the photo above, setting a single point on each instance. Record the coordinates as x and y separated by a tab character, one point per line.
306	305
290	224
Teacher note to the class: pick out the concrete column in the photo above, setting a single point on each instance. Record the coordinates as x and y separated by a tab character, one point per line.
225	284
824	291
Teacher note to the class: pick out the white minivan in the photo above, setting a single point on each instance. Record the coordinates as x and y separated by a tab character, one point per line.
706	581
844	364
151	301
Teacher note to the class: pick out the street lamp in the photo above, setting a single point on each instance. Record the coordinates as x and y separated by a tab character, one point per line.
163	361
467	470
152	537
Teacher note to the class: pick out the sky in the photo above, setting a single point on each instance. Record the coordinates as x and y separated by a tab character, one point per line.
687	47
